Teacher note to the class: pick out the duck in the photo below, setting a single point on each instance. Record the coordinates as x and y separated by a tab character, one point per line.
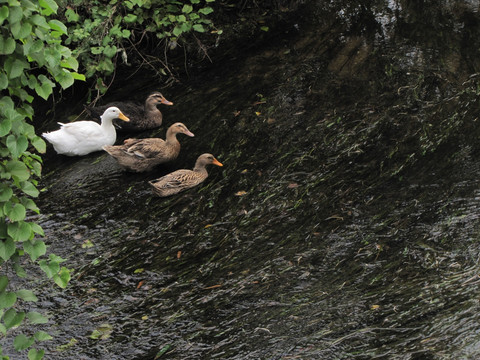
184	179
142	117
84	137
139	155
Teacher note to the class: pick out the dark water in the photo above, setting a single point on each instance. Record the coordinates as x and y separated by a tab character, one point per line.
344	224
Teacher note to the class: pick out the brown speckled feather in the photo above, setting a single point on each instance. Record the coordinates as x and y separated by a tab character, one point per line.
143	154
142	116
183	179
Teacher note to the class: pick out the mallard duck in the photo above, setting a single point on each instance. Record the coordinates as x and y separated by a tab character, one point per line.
143	154
83	137
181	180
142	117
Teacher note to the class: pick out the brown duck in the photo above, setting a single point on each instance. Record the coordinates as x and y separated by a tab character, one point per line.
181	180
143	154
142	117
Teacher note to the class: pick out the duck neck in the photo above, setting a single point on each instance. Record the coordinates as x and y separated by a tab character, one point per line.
171	138
200	168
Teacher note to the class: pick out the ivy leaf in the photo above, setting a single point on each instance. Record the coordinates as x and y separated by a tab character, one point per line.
40	21
7	46
29	189
187	9
42	336
206	10
3	81
22	342
58	26
26	295
15	15
7	249
17	68
16	212
198	28
7	299
18	169
11	318
5	192
3	283
39	144
5	126
19	231
34	354
62	278
36	318
49	6
21	30
110	51
65	79
17	145
35	249
3	13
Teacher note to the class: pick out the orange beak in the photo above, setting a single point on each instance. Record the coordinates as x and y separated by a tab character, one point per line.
166	102
216	162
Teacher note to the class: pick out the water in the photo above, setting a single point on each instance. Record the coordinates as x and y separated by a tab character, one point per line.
344	224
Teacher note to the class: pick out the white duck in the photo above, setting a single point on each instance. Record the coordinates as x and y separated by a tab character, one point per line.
83	137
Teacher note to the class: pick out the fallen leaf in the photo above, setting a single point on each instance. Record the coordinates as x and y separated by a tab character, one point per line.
270	121
213	287
244	171
240	193
179	254
292	185
140	284
258	113
144	317
207	226
138	271
375	307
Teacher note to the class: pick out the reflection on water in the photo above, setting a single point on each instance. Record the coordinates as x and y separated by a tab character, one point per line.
342	226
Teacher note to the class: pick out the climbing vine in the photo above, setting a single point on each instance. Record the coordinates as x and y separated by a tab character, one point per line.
33	62
106	33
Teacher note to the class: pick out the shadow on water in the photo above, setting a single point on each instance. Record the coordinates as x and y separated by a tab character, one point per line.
344	224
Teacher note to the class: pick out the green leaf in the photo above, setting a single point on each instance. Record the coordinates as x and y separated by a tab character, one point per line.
11	318
7	248
3	81
34	354
40	21
15	15
36	318
65	79
20	271
3	13
49	6
7	299
71	15
37	229
42	336
35	249
26	295
187	9
16	212
5	192
130	18
177	30
206	10
3	282
199	28
29	189
39	144
50	268
58	26
78	76
110	51
17	68
70	63
18	169
20	231
5	127
22	342
7	45
21	30
17	145
62	278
